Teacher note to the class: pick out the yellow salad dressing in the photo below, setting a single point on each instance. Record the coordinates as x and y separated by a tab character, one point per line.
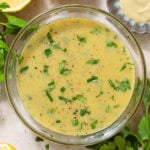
75	76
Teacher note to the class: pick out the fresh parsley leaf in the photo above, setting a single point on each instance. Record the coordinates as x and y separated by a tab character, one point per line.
75	122
95	30
11	25
62	89
50	39
107	109
51	111
94	123
24	69
52	42
48	52
62	68
93	61
58	121
84	111
124	85
51	86
144	128
49	95
15	21
66	100
79	97
92	79
45	69
110	43
81	39
146	99
124	66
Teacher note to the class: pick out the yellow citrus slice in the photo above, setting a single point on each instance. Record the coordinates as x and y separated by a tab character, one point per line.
15	5
5	146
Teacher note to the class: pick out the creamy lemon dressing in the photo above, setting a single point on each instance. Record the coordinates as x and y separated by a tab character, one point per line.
75	76
138	10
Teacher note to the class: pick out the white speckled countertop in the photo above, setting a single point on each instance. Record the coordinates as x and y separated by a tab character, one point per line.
12	130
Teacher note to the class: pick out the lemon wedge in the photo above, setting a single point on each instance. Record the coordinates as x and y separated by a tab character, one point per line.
15	5
5	146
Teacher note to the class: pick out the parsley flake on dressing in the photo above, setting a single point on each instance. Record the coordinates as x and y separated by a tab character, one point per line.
81	39
75	122
24	69
92	79
93	61
95	30
79	97
50	88
111	44
48	52
53	43
62	89
62	68
84	111
45	69
49	95
123	85
94	123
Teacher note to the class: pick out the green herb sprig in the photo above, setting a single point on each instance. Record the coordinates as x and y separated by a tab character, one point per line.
11	26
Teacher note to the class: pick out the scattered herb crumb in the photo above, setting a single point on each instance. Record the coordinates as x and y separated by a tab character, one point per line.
24	69
38	139
92	79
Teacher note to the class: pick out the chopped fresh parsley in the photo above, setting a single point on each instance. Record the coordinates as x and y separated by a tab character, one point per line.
94	123
24	69
51	111
45	69
52	42
123	67
62	89
111	44
75	122
62	68
66	100
79	97
107	108
84	111
95	30
51	86
112	84
48	52
58	121
49	95
123	85
100	93
81	39
92	79
93	61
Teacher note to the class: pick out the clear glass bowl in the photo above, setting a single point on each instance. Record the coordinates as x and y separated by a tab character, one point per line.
65	12
137	27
